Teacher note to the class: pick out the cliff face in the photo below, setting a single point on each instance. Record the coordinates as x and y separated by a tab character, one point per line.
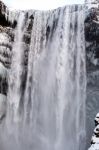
92	64
6	40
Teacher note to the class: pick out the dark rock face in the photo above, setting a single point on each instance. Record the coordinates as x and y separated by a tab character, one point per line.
92	37
6	42
3	20
92	64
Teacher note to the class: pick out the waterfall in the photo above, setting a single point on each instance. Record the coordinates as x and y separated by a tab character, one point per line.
48	112
15	72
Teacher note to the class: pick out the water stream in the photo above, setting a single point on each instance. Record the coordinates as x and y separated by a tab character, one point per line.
48	112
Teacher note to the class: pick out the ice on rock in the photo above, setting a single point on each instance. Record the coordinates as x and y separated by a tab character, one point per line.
13	15
92	3
3	37
97	119
97	116
95	137
96	131
94	147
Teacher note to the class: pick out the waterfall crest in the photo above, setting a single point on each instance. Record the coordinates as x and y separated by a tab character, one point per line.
46	98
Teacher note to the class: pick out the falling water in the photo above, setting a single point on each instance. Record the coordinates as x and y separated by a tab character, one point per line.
16	71
48	113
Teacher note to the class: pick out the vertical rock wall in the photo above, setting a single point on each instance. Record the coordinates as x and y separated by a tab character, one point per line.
92	57
5	56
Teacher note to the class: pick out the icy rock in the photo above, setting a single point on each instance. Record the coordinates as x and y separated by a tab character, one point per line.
94	147
3	37
96	131
97	119
95	137
92	3
5	48
92	32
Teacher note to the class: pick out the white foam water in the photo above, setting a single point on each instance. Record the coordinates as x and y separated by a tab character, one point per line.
52	115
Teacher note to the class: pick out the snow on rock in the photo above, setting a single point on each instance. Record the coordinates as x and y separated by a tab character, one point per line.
7	25
92	32
95	137
3	37
97	120
92	4
7	16
94	147
5	46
